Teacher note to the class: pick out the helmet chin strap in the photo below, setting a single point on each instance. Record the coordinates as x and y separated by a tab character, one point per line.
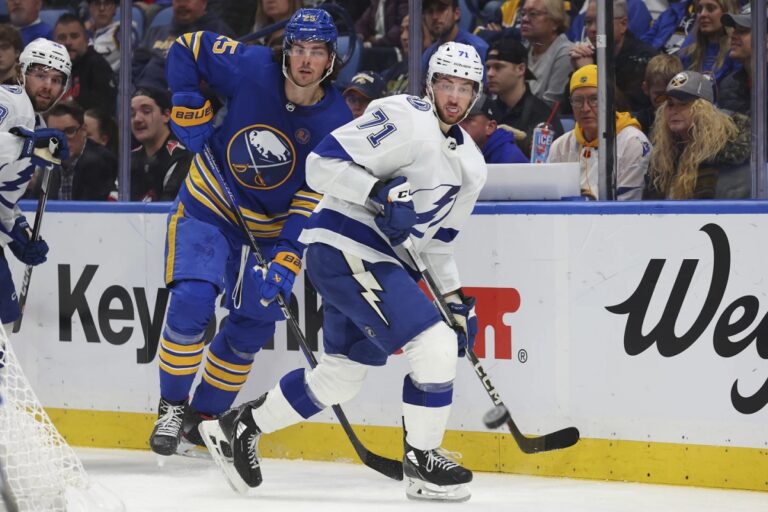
288	76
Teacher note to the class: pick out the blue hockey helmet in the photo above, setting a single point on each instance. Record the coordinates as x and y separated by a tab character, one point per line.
310	25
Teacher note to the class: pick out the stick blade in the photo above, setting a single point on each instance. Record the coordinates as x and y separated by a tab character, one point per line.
388	467
553	441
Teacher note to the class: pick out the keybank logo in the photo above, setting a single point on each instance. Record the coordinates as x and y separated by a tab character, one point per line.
112	318
728	338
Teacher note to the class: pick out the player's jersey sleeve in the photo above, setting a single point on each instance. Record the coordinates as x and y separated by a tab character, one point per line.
348	162
218	60
15	173
303	204
438	253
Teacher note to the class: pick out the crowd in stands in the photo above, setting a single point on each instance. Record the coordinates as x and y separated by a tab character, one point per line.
682	95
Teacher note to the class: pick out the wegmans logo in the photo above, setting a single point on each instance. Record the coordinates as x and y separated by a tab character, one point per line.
731	334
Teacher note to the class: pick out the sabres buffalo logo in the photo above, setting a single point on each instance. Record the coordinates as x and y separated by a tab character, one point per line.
261	157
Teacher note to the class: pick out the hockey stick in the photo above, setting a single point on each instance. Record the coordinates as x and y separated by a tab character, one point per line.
552	441
388	467
35	237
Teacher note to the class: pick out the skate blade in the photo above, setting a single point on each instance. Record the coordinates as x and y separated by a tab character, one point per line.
193	451
214	439
424	491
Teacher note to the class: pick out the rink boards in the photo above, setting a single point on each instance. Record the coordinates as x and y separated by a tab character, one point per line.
642	325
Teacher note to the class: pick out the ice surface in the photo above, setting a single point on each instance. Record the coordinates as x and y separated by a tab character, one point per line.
186	484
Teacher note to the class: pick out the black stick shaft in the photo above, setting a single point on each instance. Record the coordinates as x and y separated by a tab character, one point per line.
24	292
388	467
553	441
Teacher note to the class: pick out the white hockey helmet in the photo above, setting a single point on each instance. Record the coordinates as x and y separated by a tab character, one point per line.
46	53
459	60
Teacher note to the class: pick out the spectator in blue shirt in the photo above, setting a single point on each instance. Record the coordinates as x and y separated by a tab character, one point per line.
442	20
706	50
25	16
498	145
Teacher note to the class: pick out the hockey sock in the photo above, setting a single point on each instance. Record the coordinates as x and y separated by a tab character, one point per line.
289	402
224	374
426	408
181	345
178	365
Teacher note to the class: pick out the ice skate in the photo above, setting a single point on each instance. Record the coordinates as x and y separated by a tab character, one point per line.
167	432
233	442
192	444
430	475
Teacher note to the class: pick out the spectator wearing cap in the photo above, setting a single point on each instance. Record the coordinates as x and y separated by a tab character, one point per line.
161	163
149	58
11	47
699	152
508	74
25	16
105	30
631	55
497	144
92	83
442	21
736	88
379	27
543	25
364	87
633	150
91	170
396	77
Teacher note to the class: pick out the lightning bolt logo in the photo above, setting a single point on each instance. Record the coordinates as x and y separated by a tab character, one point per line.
370	286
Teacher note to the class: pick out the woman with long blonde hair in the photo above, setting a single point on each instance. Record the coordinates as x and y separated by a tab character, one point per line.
273	11
698	150
707	48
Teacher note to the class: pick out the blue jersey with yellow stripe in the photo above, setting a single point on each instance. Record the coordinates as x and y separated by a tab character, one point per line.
262	143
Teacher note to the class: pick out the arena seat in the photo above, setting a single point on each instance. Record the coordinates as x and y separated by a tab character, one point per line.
163	17
352	67
137	16
51	16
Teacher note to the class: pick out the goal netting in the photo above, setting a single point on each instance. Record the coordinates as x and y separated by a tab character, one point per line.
41	471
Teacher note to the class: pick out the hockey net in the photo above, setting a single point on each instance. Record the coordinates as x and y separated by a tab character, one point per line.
40	468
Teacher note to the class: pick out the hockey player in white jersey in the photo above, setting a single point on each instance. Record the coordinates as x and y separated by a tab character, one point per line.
25	142
372	305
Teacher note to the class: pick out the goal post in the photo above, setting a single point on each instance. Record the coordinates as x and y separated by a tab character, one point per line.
41	471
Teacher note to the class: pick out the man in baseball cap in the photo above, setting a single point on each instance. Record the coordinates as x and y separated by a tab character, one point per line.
364	87
498	145
633	150
736	89
508	74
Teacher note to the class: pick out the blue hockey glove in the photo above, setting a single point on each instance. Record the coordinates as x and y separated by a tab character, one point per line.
399	215
26	250
280	275
192	119
44	146
463	309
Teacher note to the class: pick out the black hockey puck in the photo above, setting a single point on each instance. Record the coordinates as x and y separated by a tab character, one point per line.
496	417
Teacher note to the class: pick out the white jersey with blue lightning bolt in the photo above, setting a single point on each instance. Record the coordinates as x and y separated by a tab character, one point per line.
396	136
15	173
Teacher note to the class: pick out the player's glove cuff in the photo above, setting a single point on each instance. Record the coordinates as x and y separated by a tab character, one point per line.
289	260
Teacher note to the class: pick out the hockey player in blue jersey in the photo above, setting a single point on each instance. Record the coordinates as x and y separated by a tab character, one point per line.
25	142
372	305
279	107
